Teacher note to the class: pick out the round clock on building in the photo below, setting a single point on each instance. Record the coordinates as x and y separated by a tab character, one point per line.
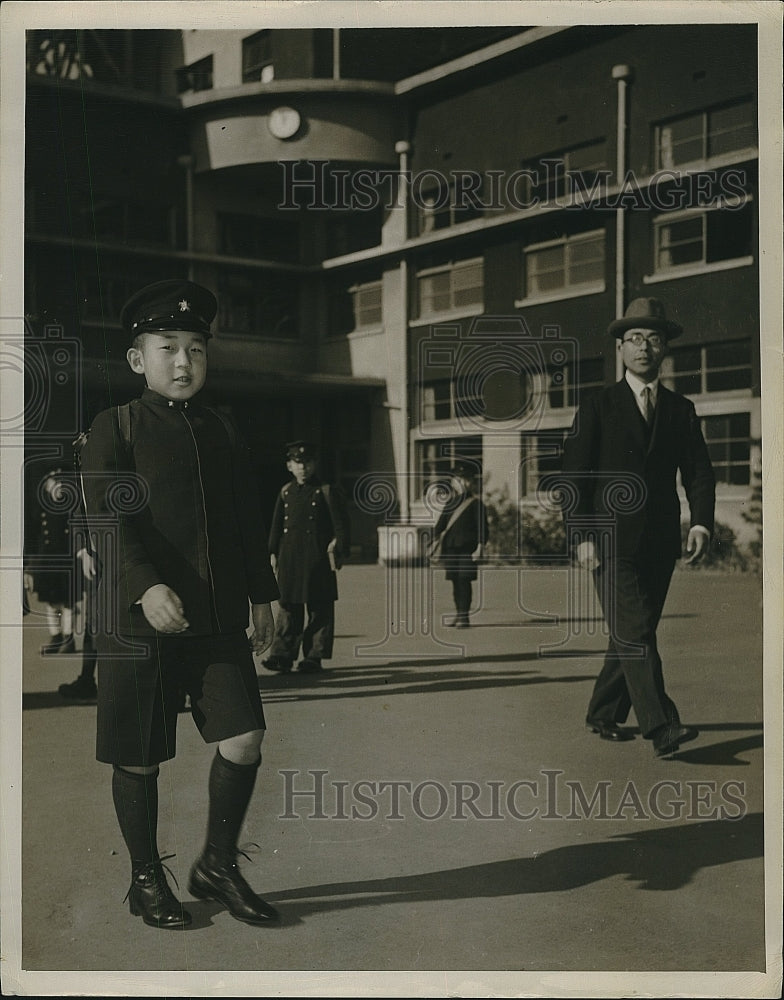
284	123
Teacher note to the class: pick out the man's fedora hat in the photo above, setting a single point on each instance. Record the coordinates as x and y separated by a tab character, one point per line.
174	304
645	314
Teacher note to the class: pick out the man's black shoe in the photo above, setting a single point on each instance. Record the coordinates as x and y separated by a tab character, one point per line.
150	898
310	665
82	689
608	730
223	882
277	665
667	739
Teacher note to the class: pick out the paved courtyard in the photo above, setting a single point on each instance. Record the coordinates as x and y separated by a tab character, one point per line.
433	802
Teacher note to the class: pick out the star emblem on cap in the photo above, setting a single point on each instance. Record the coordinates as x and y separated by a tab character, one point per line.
184	305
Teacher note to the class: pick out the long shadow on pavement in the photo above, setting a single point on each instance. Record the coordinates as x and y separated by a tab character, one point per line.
661	860
384	680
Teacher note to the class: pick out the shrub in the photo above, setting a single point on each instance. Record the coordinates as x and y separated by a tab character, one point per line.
724	552
517	535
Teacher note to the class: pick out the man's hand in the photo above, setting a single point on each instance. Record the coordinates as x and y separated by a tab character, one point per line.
274	562
163	609
697	544
586	555
263	628
476	555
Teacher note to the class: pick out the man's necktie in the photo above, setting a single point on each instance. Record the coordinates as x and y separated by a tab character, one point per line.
647	402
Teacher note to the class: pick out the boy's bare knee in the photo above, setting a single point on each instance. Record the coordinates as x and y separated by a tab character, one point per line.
243	749
132	769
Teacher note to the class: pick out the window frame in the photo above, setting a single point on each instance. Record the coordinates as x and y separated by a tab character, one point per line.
188	74
702	266
703	372
705	135
603	169
728	441
451	267
252	72
566	290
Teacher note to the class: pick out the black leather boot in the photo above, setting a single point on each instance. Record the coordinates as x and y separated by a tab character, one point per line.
150	898
217	877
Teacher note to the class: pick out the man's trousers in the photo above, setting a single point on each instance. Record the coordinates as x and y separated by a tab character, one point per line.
632	592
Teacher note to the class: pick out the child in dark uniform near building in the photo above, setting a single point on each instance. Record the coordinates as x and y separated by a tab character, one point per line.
460	535
308	538
168	486
55	586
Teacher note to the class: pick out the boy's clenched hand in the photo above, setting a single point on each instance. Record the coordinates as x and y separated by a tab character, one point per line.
263	628
163	609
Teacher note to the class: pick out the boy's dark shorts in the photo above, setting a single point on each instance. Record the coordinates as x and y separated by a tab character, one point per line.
139	695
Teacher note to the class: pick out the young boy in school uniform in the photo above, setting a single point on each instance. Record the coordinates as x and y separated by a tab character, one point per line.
184	559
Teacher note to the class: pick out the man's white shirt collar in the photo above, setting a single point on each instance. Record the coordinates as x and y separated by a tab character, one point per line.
637	385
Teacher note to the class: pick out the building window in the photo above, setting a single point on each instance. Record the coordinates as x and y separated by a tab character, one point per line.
565	173
121	221
721	367
571	263
356	307
197	76
451	287
356	231
540	455
435	459
699	137
572	383
435	400
263	303
692	239
258	237
499	396
103	296
367	304
447	204
257	58
729	447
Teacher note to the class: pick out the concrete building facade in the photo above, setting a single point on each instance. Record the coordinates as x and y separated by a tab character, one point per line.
417	238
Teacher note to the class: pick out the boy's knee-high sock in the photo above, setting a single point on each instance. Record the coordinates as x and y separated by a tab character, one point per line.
89	655
136	804
230	788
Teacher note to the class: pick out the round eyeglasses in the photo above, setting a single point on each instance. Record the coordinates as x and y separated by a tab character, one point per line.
638	339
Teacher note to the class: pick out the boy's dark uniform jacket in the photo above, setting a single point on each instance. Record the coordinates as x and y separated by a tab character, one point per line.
200	531
470	528
611	436
305	520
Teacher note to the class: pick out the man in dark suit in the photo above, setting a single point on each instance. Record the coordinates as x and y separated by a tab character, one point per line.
637	434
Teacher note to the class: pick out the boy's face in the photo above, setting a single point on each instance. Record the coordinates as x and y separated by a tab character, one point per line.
461	485
302	471
174	362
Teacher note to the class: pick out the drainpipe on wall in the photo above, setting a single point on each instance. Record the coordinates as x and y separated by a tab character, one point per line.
624	75
336	53
186	162
403	149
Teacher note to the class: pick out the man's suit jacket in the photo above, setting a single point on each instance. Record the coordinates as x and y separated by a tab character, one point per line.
609	436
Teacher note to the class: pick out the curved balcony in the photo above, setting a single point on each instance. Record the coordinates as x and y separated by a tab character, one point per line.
347	121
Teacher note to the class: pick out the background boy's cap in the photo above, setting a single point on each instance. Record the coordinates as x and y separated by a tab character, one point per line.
169	305
301	451
464	470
